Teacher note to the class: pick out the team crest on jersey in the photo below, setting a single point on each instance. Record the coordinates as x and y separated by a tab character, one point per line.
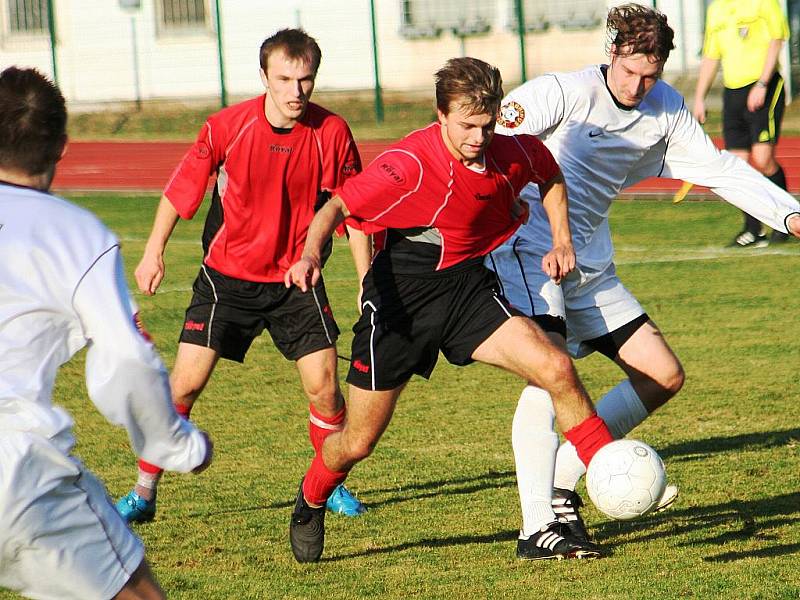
201	150
511	115
743	32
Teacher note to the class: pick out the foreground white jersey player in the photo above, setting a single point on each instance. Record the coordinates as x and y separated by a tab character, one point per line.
608	126
62	288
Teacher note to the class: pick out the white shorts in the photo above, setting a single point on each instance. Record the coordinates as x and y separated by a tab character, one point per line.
61	536
592	303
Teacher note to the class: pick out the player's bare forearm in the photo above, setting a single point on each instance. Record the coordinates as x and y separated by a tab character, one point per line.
163	225
561	259
150	271
771	61
705	77
322	226
758	92
361	249
306	272
556	205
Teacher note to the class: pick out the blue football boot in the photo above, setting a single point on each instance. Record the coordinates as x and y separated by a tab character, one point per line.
135	509
342	502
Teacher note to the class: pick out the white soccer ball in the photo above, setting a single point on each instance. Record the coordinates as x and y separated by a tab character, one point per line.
626	479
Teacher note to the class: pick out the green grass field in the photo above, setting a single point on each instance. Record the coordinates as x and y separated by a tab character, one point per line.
440	486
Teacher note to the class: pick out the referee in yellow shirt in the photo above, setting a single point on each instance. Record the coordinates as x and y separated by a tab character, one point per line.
747	36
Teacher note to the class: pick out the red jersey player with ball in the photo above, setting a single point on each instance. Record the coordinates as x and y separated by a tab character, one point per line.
447	196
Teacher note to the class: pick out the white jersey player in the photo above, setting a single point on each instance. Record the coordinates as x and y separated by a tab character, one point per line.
62	288
608	127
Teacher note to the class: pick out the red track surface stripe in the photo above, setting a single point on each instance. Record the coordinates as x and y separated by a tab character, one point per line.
146	166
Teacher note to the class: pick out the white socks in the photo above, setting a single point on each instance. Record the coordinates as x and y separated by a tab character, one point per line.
535	443
622	410
146	484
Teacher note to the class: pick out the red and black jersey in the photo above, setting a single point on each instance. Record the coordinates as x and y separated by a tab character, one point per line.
268	183
438	212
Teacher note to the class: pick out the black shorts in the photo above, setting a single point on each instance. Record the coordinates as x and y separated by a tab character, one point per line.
227	314
742	128
407	319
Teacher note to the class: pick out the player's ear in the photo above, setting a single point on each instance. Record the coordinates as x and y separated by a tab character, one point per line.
64	144
441	116
263	78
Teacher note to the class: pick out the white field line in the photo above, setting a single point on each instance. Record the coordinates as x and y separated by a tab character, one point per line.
626	255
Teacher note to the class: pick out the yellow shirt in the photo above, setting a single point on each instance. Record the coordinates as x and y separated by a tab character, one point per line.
739	32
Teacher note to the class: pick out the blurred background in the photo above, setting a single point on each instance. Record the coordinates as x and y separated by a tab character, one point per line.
135	51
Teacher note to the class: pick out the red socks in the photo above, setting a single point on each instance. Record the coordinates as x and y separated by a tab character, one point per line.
320	482
320	427
145	466
588	437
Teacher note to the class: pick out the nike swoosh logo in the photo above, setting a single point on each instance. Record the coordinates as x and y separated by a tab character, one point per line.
596	133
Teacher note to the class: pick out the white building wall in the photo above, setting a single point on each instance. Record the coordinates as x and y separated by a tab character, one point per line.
96	49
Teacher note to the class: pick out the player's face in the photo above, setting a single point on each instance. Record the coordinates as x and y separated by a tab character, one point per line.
631	76
465	135
289	85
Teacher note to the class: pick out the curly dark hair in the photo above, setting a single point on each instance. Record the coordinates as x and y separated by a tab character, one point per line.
636	29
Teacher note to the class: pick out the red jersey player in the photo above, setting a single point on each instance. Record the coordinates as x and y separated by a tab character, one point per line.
276	157
447	195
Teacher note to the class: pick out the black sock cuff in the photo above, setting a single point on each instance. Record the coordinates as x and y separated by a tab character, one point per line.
778	178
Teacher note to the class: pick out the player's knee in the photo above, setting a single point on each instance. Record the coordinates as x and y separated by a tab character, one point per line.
765	165
558	371
185	390
656	389
141	586
326	397
360	447
674	380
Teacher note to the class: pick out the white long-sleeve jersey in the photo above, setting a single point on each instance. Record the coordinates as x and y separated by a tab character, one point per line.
603	148
62	287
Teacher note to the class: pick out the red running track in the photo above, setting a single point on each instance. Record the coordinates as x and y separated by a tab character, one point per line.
146	166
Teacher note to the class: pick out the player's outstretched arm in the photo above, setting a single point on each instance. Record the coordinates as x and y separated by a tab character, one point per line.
150	271
560	261
125	378
305	272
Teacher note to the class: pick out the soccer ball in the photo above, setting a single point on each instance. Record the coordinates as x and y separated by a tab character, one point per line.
626	479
